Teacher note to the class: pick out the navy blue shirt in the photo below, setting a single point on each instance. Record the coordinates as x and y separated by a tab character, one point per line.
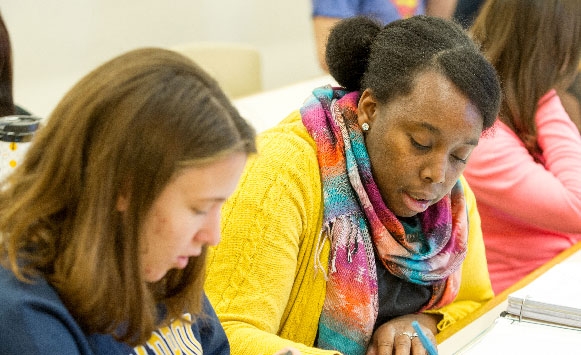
35	321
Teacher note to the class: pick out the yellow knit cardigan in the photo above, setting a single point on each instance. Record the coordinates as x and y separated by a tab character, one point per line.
266	278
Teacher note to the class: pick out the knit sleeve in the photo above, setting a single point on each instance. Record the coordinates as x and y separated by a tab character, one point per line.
252	272
475	286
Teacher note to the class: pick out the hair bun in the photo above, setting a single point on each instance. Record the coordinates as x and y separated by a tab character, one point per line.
348	49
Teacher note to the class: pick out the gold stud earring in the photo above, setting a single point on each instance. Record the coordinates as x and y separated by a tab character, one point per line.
365	126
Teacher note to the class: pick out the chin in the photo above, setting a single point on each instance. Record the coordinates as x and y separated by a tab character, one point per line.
154	279
405	213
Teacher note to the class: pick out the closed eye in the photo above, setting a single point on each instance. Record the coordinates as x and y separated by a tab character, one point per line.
418	145
199	211
207	207
463	161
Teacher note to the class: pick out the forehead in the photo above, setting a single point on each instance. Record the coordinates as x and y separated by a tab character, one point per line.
434	104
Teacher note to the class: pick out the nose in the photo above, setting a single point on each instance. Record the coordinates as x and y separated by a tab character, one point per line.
434	172
210	232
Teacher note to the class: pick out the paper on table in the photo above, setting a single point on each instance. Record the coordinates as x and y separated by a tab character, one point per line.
508	336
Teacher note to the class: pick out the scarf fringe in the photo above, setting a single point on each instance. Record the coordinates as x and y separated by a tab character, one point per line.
351	245
318	251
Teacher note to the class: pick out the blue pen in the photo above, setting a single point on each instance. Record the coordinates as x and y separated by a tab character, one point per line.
427	343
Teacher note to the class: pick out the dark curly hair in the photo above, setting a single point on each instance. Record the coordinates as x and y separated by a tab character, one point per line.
361	54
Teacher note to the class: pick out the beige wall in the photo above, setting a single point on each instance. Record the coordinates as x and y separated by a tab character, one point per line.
55	42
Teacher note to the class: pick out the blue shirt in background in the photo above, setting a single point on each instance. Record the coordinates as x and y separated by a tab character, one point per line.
383	10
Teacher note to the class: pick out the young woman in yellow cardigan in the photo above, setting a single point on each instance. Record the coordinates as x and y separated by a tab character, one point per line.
353	220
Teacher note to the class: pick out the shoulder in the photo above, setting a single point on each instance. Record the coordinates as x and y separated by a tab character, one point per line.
288	148
29	310
16	295
498	146
284	174
551	111
291	129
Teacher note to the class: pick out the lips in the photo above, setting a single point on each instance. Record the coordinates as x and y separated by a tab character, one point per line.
421	196
417	203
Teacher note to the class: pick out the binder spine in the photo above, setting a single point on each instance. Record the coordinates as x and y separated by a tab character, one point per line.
522	306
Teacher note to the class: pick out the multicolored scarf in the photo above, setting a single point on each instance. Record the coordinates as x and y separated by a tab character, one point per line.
358	224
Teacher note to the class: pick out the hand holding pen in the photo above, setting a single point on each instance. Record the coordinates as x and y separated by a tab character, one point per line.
426	342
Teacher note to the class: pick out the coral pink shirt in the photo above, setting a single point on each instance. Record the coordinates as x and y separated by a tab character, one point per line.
530	212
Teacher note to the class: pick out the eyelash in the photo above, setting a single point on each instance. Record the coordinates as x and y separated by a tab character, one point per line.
199	212
463	161
425	148
418	145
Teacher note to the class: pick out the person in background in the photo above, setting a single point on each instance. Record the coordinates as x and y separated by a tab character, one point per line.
326	13
571	99
466	11
353	219
7	106
105	224
527	175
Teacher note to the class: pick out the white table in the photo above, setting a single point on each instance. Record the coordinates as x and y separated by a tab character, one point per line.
468	329
267	108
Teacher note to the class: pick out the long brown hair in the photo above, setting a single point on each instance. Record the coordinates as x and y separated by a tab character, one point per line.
128	126
535	46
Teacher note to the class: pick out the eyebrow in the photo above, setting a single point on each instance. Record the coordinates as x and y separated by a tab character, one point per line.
435	130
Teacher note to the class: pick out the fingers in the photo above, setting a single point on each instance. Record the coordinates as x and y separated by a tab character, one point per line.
398	336
404	343
288	351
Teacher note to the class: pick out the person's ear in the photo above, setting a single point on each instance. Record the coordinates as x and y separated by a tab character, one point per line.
366	110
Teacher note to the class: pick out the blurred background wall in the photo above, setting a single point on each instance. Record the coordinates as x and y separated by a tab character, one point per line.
56	42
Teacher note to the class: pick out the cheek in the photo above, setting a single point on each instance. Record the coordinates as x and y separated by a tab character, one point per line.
159	246
389	156
386	162
156	225
160	224
454	174
159	235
